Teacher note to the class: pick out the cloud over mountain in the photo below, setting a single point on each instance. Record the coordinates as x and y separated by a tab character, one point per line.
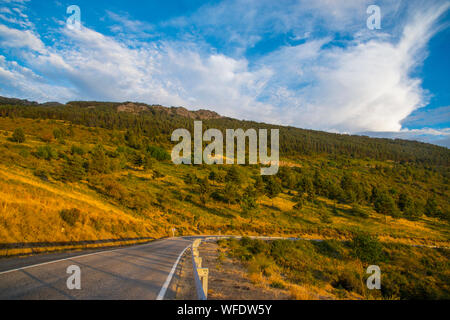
362	82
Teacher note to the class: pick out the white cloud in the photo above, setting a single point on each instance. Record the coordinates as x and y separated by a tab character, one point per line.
5	10
130	27
243	23
18	81
429	117
14	38
363	86
14	13
428	135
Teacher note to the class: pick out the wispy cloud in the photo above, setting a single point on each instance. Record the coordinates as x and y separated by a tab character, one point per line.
364	85
428	135
434	117
125	26
20	39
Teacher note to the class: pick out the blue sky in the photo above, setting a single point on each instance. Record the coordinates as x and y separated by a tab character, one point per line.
309	64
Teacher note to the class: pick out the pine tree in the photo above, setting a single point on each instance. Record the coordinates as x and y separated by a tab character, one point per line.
73	169
231	193
273	187
213	176
259	185
99	161
204	190
431	207
248	202
233	175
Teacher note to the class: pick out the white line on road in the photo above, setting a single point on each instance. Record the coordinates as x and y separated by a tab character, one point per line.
54	261
65	259
162	293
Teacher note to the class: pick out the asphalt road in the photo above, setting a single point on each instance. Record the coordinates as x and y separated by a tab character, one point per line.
140	272
137	273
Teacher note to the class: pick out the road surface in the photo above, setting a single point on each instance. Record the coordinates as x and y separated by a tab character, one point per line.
139	272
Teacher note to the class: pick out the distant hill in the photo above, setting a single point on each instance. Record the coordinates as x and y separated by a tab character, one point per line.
158	122
14	102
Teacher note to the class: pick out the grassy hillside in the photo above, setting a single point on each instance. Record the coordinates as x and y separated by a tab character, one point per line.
62	181
337	270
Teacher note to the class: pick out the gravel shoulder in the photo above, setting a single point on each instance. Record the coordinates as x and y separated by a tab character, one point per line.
227	278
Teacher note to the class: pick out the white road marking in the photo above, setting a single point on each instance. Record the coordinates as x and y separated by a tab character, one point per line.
54	261
65	259
162	293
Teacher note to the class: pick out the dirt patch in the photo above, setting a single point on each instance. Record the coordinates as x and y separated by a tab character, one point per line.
227	279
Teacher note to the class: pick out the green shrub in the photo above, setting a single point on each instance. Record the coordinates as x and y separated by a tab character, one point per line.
385	204
261	263
46	152
330	248
367	248
99	161
325	218
24	153
59	133
77	150
158	153
348	280
73	169
18	136
277	285
359	211
70	216
114	189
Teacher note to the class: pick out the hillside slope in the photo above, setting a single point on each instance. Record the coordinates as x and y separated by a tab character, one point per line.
90	171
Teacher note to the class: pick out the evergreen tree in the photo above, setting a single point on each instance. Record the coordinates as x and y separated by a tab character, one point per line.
259	185
233	175
213	176
431	207
384	203
231	193
306	185
287	177
273	187
133	139
73	169
248	202
99	161
204	190
404	202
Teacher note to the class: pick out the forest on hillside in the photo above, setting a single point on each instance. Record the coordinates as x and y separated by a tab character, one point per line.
395	178
157	124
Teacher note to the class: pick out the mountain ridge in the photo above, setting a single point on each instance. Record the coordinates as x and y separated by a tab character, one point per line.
158	122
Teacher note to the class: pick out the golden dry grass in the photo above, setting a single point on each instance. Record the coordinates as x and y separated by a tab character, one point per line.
29	212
